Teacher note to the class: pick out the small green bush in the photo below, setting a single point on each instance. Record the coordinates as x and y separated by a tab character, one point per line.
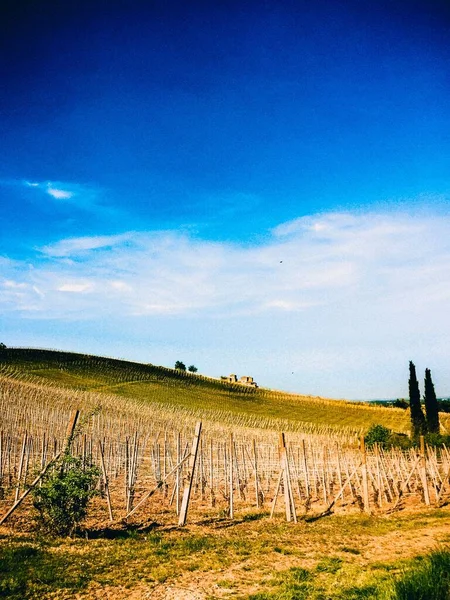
62	499
437	440
386	438
377	434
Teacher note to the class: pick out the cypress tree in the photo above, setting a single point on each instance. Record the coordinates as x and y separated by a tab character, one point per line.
431	404
418	423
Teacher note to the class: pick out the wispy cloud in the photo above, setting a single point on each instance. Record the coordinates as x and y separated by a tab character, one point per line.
322	261
74	247
74	195
59	194
328	296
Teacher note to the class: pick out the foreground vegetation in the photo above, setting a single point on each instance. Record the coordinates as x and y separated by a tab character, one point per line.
344	557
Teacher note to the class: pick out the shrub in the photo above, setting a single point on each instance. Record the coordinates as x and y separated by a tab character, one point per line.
377	434
384	437
62	499
399	440
400	403
437	440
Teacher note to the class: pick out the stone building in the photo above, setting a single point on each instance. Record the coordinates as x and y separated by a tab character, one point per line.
244	380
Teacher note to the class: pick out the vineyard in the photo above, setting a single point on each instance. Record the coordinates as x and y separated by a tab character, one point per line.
141	425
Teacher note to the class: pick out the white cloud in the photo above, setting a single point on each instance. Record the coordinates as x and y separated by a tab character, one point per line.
366	261
59	194
7	283
75	247
321	296
70	194
77	288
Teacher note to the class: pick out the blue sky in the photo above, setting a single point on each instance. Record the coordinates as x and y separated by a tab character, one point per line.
259	188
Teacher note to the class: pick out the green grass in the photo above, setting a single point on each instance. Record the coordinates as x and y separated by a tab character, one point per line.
149	383
428	578
241	558
425	578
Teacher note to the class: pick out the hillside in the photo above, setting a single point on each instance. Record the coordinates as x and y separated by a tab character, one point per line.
215	400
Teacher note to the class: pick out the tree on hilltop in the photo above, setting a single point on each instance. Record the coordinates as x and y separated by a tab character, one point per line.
180	366
418	423
431	404
192	369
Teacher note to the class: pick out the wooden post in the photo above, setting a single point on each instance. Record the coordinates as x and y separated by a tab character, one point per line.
305	470
105	480
70	431
255	458
377	456
211	473
178	473
324	474
288	496
365	484
1	458
126	473
339	469
22	457
423	471
231	501
188	488
277	489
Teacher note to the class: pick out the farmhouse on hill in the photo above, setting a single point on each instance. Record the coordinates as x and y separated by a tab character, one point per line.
244	380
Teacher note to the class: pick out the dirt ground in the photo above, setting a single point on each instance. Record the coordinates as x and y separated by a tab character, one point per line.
244	555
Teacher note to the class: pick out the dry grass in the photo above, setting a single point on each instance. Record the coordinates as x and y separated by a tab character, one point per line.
339	557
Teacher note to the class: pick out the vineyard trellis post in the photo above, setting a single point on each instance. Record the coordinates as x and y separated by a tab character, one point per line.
231	482
291	514
105	480
192	463
365	483
423	471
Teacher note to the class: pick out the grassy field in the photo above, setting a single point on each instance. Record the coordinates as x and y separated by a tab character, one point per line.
214	398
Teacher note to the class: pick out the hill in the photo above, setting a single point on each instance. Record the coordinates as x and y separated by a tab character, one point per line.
145	385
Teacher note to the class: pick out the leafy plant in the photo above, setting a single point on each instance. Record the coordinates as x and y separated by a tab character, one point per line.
180	365
385	438
63	498
437	440
377	434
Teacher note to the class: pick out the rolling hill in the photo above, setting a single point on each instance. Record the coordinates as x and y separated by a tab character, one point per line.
147	385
